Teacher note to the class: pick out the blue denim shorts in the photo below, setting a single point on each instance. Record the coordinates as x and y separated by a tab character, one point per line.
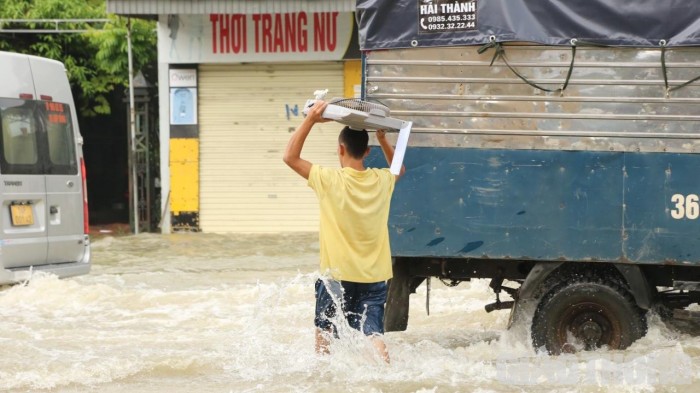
362	305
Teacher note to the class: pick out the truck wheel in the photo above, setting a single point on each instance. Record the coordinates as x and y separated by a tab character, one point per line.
588	313
397	303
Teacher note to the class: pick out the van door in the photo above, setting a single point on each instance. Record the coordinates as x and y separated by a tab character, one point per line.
23	186
64	186
64	197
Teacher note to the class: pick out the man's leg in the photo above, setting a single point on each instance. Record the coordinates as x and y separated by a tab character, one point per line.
325	310
380	346
368	312
322	342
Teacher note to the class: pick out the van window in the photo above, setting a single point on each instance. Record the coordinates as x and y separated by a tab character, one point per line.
37	138
20	153
60	138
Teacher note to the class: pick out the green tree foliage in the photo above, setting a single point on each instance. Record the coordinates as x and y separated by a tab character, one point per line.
96	61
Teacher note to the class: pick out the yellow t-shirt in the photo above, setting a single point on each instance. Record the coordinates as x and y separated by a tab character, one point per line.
354	234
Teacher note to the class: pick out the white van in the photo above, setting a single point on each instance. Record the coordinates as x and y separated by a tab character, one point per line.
44	219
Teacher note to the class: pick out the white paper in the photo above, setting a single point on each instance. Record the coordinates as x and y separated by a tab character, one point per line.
400	150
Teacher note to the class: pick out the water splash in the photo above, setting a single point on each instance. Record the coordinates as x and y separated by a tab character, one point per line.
235	314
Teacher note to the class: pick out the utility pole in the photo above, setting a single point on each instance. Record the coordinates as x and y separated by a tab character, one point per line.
133	188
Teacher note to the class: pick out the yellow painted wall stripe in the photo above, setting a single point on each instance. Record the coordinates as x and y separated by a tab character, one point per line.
352	78
184	175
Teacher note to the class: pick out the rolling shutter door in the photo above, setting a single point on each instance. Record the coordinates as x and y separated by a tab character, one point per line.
247	113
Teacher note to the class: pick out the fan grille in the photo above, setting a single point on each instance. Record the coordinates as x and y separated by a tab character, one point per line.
359	105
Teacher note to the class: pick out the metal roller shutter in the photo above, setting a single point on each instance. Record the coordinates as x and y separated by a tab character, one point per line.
247	113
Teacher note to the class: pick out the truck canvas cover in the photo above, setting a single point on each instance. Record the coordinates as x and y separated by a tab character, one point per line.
386	24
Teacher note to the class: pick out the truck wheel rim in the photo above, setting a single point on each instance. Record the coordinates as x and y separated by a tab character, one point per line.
588	326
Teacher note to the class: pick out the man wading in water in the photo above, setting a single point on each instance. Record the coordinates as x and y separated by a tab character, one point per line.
354	233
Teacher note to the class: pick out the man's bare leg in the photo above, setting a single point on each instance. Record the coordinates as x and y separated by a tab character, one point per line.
322	343
381	348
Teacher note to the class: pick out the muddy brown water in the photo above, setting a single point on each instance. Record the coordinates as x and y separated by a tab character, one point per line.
234	313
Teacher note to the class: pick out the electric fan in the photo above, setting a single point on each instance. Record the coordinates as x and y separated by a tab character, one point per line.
363	115
357	114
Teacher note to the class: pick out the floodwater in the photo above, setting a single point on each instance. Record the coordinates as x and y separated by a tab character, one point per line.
232	313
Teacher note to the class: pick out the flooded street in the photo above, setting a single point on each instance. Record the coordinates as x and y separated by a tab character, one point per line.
234	313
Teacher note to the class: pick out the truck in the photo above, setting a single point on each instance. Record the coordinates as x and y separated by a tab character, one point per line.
554	150
43	194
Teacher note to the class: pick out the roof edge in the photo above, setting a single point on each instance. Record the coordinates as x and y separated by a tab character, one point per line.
184	7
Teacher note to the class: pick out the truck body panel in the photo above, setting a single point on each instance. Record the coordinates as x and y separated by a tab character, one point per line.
544	205
499	169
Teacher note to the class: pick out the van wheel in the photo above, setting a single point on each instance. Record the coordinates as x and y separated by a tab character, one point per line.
587	314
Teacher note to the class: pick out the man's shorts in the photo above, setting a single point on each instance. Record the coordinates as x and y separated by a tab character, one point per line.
362	305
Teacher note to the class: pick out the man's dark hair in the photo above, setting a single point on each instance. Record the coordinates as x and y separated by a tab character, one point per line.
355	141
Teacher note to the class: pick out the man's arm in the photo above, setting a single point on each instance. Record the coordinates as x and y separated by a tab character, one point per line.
292	155
388	151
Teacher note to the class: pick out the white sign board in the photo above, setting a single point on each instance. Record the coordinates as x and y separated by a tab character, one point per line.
183	78
183	106
236	38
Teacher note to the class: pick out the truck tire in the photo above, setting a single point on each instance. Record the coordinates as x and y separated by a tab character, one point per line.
397	303
586	313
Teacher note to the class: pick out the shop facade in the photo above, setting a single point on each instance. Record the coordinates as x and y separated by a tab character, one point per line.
233	78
